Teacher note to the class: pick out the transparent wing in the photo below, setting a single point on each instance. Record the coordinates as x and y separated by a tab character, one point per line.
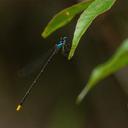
35	65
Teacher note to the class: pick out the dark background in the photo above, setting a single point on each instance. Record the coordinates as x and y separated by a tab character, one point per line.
52	103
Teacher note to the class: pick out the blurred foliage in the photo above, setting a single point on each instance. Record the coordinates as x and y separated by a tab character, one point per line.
117	62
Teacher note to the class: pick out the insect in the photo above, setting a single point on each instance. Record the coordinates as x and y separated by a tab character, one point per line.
60	45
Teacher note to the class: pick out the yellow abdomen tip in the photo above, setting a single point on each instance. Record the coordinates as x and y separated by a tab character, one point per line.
18	108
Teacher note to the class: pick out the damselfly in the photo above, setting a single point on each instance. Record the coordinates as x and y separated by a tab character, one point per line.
63	45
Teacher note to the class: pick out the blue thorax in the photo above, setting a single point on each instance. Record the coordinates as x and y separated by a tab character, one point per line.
59	44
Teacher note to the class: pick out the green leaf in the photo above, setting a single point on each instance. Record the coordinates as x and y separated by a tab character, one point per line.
95	9
118	61
64	17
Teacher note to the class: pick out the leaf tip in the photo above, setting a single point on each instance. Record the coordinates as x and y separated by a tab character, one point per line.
78	100
70	55
82	95
43	34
